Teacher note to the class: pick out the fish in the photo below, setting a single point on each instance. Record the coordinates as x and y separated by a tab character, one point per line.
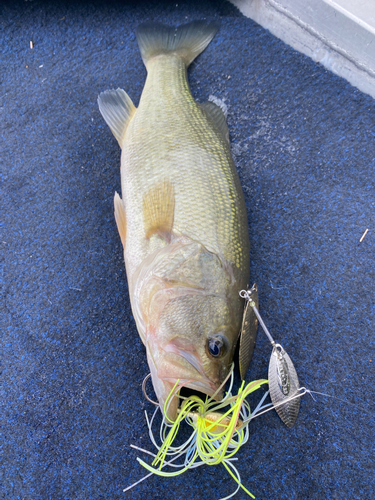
181	218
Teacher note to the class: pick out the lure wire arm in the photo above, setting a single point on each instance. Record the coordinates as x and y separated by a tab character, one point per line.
246	295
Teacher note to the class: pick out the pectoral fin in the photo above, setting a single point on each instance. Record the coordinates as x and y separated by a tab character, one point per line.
248	333
158	210
117	110
120	217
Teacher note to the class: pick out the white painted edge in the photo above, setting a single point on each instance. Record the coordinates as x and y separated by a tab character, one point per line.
322	30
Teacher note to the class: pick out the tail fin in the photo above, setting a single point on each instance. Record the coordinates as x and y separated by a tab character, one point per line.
188	41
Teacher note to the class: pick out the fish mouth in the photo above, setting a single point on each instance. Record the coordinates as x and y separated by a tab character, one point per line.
177	368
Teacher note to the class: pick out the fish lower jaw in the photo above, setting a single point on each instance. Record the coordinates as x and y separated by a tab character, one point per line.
184	389
187	388
201	387
176	375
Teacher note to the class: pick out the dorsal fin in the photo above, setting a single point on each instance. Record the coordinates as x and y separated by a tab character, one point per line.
216	114
117	110
158	210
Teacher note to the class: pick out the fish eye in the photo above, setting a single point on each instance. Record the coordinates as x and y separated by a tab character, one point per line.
216	346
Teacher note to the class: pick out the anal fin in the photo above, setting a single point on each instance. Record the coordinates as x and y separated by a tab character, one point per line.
117	110
120	217
158	210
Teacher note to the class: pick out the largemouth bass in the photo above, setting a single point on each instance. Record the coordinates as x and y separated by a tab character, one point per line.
182	217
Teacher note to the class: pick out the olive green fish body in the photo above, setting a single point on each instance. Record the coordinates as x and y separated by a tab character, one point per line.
171	137
182	217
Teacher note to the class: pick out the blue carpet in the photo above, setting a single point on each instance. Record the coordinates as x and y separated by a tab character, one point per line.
72	363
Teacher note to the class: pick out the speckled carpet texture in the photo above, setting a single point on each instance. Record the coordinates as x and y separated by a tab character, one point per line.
72	363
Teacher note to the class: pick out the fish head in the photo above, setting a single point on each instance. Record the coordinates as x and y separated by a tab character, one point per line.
191	321
191	347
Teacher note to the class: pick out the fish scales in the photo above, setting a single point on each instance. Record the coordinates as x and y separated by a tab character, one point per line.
170	137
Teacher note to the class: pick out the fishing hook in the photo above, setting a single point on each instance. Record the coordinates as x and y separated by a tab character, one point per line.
144	390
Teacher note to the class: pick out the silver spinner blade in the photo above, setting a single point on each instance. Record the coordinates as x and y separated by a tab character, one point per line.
283	385
248	332
282	376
